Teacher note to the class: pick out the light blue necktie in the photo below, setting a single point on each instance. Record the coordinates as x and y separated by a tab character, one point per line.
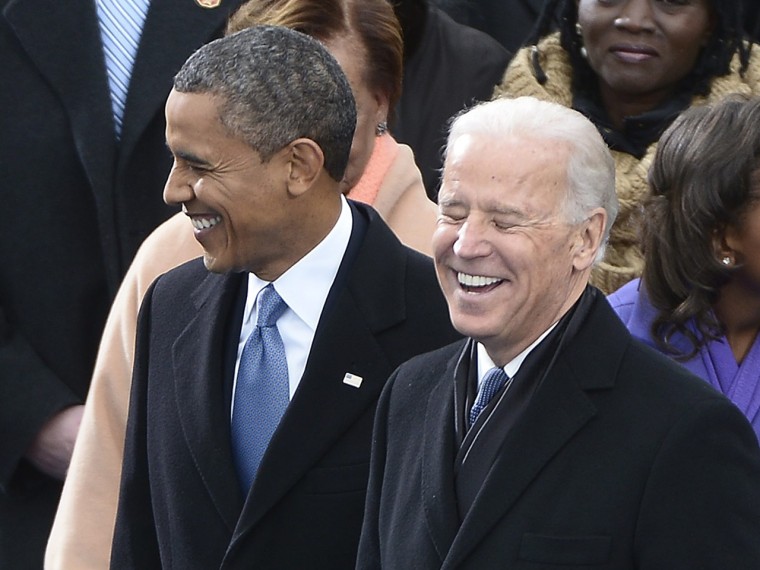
121	23
262	389
492	382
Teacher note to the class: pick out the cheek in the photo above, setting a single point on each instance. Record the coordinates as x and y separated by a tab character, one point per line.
687	48
590	22
361	151
444	237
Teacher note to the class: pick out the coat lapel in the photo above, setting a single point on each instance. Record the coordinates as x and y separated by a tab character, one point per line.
76	71
515	469
173	30
558	410
199	389
438	490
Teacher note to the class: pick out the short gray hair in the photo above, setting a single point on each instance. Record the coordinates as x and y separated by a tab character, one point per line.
276	85
590	168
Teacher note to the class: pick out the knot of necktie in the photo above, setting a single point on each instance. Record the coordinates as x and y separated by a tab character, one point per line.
271	307
493	381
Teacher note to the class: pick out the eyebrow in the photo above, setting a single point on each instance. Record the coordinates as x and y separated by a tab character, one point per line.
498	209
188	157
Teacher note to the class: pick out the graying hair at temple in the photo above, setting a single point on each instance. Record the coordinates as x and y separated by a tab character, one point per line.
276	85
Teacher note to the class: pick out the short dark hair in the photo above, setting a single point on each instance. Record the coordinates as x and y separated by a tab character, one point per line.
276	85
726	40
703	178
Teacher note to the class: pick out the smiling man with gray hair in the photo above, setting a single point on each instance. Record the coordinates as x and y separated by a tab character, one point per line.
549	437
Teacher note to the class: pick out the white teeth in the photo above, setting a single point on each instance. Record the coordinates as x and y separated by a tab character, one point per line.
476	280
204	223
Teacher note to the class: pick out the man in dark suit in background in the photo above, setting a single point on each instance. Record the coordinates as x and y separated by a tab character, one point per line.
510	22
78	198
447	67
260	124
549	437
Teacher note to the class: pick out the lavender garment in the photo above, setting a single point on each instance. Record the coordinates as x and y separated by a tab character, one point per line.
714	362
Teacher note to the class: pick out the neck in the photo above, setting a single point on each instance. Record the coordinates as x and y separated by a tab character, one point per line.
501	355
311	223
621	105
738	309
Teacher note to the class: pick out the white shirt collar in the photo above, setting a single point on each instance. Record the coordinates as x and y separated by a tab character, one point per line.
485	363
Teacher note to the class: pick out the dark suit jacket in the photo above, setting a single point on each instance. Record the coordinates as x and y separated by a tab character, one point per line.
180	504
508	21
76	206
453	67
622	460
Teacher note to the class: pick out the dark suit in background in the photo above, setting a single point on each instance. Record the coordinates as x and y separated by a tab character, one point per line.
510	22
76	206
752	19
305	507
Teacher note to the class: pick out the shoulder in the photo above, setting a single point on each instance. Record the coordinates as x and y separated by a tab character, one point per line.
172	290
520	77
420	373
625	299
626	377
466	43
734	81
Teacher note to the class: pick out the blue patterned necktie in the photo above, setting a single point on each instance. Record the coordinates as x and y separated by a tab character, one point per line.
493	381
262	389
121	23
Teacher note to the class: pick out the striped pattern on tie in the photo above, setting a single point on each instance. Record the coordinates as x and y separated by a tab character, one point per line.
121	23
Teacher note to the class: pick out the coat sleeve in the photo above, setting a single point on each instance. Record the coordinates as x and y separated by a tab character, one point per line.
30	394
135	543
701	508
369	543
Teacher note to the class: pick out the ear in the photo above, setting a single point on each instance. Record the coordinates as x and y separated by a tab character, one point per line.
305	161
383	108
589	239
724	241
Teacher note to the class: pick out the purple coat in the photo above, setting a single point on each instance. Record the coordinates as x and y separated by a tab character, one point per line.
714	362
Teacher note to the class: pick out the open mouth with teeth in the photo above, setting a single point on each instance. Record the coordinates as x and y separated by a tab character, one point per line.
205	222
477	283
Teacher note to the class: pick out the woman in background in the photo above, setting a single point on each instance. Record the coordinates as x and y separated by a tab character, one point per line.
698	300
364	36
632	66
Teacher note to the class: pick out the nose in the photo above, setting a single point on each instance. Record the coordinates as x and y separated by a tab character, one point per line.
472	241
636	16
178	189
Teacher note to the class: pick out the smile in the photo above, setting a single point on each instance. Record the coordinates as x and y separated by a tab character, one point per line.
205	222
633	53
475	281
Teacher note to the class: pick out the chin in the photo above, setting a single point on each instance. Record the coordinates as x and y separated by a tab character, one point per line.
212	264
471	325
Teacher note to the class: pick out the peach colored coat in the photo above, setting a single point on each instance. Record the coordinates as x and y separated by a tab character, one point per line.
83	528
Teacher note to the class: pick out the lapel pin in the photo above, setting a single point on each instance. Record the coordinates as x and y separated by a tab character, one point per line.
352	380
208	3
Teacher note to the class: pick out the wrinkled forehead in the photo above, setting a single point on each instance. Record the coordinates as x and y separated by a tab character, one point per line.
498	169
